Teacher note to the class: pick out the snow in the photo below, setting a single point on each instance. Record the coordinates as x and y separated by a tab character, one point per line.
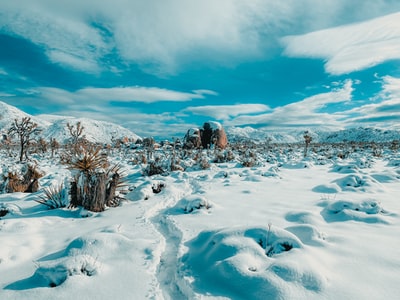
323	226
287	228
53	126
359	134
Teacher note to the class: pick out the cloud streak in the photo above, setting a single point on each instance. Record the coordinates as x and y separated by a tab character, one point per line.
161	36
305	113
101	96
350	48
225	112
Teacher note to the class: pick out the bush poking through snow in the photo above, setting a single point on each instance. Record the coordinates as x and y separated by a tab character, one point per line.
158	187
26	183
153	168
194	203
54	197
3	212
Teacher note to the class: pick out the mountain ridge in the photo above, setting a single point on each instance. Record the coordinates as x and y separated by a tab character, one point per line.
55	126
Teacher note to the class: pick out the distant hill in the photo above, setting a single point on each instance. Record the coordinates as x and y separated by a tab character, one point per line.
56	126
9	113
359	134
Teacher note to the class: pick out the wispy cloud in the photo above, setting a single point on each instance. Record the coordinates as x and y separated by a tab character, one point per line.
225	112
350	48
161	36
383	112
304	113
103	96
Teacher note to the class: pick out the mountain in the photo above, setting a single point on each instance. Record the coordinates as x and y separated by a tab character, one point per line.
56	126
94	131
9	113
359	134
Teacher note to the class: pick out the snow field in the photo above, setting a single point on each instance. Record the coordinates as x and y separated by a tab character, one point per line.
291	230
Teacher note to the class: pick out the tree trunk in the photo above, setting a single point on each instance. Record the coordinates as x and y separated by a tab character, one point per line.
21	155
112	188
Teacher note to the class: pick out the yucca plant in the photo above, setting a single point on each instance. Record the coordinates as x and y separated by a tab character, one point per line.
89	160
54	197
95	183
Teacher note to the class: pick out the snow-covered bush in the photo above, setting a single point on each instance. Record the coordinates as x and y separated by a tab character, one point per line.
95	183
24	180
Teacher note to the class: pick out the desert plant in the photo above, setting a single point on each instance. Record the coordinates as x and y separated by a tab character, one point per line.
42	145
153	168
77	139
54	197
95	184
24	130
26	183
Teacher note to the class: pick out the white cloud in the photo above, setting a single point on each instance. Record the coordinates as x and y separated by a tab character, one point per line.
383	112
305	113
101	96
352	47
225	112
73	61
161	36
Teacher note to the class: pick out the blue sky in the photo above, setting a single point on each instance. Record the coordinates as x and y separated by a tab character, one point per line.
162	67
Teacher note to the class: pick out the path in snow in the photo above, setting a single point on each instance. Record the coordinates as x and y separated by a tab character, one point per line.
167	271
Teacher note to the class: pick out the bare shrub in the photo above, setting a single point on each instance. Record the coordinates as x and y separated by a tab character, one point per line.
153	168
26	183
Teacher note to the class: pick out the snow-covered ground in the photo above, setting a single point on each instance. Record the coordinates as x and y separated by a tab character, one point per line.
288	228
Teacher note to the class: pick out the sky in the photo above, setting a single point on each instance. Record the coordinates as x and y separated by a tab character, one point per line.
162	67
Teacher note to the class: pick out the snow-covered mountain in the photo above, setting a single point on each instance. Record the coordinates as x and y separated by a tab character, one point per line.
9	113
359	134
56	126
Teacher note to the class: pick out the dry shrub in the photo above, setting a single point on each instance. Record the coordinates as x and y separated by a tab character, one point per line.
28	183
153	168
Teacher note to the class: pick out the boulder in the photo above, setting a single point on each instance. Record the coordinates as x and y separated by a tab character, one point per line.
192	139
213	133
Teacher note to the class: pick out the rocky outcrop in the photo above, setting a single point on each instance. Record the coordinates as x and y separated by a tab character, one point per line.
211	134
192	139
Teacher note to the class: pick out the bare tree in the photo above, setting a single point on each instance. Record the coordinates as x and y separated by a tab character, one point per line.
76	132
24	129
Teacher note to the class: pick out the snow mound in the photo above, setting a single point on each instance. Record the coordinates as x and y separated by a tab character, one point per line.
252	263
357	182
194	204
369	211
